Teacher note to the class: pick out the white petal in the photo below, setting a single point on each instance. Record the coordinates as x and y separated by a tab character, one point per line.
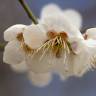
39	64
83	60
60	23
40	79
34	36
91	33
11	32
13	53
91	45
77	44
21	67
46	10
77	64
90	42
74	17
82	63
64	68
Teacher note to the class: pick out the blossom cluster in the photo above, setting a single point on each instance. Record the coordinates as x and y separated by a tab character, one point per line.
54	45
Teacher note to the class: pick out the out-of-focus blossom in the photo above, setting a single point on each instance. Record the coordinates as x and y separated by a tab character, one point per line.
90	33
54	45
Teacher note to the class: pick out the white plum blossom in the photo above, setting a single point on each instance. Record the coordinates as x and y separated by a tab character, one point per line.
90	33
13	53
54	45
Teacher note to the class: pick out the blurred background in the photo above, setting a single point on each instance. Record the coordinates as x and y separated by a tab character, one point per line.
15	84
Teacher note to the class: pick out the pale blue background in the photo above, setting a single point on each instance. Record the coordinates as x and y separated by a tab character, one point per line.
13	84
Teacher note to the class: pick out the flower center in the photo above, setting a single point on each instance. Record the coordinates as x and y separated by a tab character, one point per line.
52	35
58	43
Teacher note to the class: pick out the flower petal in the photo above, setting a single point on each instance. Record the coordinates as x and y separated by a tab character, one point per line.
83	61
34	36
11	32
13	53
74	17
64	68
40	79
91	44
60	23
78	64
40	63
77	45
46	10
21	67
91	33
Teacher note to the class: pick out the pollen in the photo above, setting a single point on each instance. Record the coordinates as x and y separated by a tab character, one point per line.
64	35
51	34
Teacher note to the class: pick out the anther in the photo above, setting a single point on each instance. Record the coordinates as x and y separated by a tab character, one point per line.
20	37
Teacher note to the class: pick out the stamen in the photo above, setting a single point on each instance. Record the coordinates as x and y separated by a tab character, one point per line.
70	48
24	46
57	44
51	34
57	47
64	35
93	61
